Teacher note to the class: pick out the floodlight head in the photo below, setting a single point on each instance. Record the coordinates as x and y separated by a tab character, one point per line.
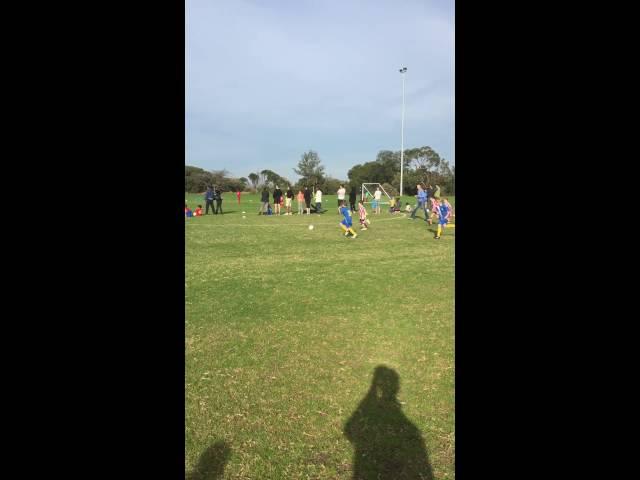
403	69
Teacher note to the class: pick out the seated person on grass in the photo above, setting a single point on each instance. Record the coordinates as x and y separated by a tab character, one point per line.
314	209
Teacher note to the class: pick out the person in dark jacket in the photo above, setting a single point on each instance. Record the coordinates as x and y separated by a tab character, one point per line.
307	199
352	199
264	199
209	196
218	201
277	195
429	190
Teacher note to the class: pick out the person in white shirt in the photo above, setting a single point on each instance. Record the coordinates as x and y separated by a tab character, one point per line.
318	201
377	196
342	192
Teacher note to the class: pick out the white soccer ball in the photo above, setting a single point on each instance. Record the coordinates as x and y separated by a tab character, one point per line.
243	216
244	212
310	227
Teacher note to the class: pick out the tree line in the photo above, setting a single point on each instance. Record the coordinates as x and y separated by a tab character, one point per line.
421	165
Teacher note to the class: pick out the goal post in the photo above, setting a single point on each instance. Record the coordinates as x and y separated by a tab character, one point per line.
367	193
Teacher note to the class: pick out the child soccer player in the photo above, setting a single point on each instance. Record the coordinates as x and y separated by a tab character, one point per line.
392	204
374	206
435	203
198	211
346	224
362	212
187	211
444	213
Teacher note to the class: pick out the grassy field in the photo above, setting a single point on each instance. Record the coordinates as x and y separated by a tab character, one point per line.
314	356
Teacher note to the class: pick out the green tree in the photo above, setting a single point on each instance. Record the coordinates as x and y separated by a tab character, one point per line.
421	165
196	179
426	163
382	170
445	178
310	169
331	185
255	179
390	189
219	177
231	185
272	179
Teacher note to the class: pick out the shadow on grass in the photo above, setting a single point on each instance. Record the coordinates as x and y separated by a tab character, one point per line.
386	444
227	212
211	463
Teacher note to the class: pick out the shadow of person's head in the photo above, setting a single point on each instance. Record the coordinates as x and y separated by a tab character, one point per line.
386	383
211	462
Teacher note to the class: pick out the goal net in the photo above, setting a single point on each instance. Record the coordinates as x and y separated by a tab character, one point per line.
368	191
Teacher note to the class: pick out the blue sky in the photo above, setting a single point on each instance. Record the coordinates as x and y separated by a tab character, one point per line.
267	80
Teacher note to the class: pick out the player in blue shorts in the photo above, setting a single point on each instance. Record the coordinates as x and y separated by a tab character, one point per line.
443	210
346	223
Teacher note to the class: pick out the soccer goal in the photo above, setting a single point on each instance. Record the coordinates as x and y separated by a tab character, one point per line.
367	193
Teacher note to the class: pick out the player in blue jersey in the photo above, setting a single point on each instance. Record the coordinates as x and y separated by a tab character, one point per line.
443	210
346	223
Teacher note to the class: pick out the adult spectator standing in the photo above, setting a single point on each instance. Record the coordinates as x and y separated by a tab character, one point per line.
352	199
218	201
209	196
342	192
318	201
277	196
307	199
377	195
300	199
288	200
264	199
422	203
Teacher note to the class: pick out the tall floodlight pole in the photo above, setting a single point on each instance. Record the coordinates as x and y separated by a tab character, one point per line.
402	71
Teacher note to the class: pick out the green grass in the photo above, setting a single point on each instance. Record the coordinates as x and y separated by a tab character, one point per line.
284	329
